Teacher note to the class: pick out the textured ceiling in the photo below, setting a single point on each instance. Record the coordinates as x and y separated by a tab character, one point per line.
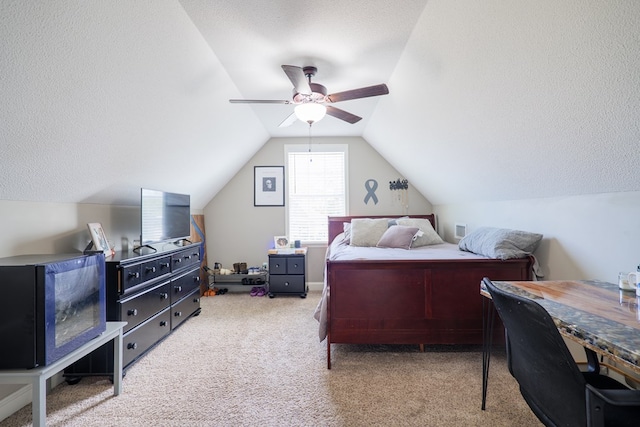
353	44
489	100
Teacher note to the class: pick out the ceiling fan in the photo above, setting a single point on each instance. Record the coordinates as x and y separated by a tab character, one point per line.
310	98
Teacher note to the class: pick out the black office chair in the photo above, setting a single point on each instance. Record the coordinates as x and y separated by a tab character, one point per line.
557	392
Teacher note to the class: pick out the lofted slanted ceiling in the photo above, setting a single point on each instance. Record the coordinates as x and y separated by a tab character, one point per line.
489	99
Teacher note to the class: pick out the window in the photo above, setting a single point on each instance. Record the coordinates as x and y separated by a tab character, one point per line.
316	188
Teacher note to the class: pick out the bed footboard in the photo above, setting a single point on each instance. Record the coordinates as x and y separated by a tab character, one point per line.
412	302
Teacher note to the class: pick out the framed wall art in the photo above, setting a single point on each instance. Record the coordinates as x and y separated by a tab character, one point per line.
268	186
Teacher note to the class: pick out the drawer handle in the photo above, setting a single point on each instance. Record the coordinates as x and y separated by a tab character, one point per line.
196	300
164	264
164	295
286	283
187	257
277	265
178	288
151	269
163	323
134	275
133	312
132	345
178	260
295	265
177	313
196	279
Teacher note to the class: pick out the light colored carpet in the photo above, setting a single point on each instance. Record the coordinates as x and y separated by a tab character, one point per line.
252	361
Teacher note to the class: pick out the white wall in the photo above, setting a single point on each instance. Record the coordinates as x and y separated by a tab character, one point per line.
585	237
515	99
237	231
45	228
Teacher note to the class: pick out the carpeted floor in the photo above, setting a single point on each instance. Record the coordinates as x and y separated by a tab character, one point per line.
256	361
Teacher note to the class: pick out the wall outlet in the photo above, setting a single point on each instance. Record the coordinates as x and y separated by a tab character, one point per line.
460	231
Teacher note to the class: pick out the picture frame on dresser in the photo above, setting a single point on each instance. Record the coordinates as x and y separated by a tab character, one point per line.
268	186
99	238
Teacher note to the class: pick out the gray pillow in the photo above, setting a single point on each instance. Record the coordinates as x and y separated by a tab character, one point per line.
398	236
500	243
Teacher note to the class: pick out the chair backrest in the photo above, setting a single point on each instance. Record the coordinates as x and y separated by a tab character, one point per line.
540	361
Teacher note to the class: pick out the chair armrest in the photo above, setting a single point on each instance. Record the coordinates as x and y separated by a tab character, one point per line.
617	397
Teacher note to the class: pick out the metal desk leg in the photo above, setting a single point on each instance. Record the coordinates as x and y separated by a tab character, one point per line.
488	319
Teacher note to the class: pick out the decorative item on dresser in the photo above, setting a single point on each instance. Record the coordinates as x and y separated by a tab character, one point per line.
154	294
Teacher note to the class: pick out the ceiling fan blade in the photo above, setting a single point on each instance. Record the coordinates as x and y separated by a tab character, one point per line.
289	120
259	101
342	115
297	77
363	92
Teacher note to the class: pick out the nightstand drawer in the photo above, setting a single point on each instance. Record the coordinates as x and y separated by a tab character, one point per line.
285	284
295	265
277	265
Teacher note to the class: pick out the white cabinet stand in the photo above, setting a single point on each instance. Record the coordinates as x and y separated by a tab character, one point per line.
37	377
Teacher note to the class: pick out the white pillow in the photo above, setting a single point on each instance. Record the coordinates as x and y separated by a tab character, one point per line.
346	228
429	236
367	231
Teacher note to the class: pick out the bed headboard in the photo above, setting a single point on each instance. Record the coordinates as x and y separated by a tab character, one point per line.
336	222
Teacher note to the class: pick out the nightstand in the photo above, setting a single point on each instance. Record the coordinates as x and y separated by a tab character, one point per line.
287	273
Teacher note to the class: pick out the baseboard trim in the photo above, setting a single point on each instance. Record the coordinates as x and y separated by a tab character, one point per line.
20	398
315	286
15	401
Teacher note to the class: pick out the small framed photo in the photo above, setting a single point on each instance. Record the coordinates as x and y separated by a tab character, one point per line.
280	242
268	186
99	238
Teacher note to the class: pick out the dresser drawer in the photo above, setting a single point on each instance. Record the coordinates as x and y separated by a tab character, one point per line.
185	308
139	307
140	339
184	284
155	268
130	277
185	259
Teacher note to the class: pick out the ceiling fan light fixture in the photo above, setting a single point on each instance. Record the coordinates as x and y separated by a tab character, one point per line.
310	112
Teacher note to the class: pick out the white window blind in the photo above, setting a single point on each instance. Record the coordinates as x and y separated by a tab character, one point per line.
316	189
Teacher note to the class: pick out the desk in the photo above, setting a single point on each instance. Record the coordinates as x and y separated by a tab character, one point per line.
37	377
595	314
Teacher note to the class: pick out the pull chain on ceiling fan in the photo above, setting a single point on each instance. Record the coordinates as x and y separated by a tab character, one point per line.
310	98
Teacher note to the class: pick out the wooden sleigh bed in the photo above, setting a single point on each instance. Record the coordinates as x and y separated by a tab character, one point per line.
422	302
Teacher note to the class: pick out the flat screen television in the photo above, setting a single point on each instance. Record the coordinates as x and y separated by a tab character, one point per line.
164	216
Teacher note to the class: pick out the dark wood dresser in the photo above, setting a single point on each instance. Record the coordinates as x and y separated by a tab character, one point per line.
154	292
